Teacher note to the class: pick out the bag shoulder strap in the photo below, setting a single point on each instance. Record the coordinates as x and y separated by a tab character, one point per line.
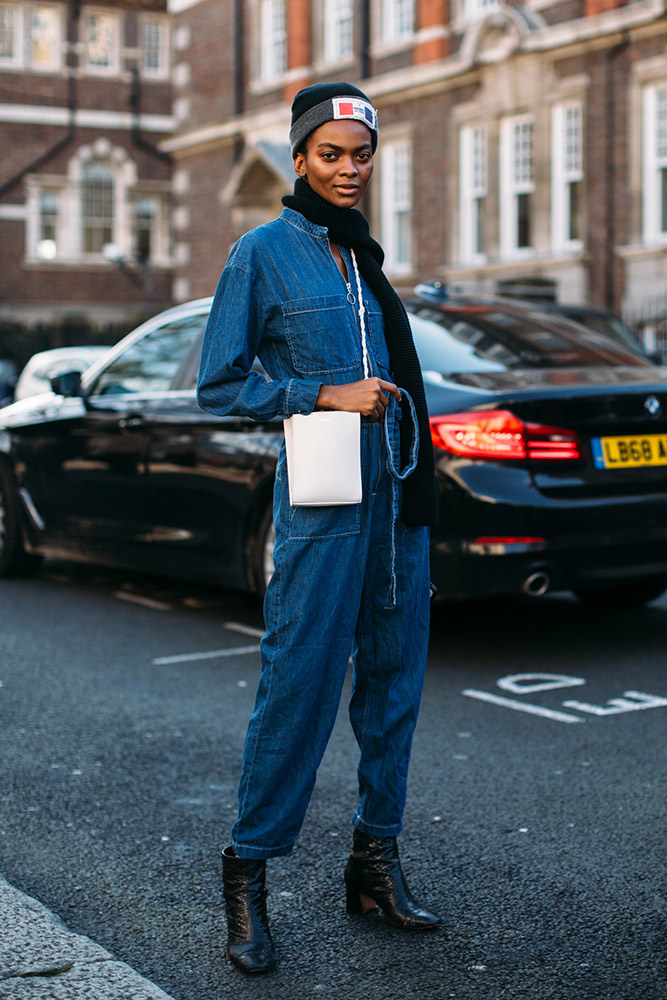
362	310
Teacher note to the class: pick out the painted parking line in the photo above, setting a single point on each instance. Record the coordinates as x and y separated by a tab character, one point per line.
211	654
523	684
521	706
243	629
146	602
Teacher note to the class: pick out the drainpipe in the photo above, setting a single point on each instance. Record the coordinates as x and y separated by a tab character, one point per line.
138	138
365	39
72	103
610	170
239	96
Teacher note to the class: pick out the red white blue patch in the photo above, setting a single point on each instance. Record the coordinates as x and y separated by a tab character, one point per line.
354	107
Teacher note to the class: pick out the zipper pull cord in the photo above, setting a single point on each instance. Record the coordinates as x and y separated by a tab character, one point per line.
362	310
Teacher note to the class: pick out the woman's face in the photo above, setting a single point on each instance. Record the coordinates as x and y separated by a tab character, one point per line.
338	161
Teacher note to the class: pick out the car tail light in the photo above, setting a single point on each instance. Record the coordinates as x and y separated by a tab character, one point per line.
500	434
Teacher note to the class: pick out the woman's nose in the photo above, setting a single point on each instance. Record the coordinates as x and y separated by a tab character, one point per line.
348	166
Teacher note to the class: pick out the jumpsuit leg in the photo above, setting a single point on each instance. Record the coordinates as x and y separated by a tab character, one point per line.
311	611
329	564
390	661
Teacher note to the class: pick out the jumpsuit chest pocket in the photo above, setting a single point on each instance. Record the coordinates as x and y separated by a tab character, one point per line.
321	336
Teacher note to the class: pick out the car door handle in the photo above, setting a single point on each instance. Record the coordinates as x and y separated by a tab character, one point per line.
132	423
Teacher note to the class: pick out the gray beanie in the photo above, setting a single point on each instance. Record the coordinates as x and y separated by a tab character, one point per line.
326	102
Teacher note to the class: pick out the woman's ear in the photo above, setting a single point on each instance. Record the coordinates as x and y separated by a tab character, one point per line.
300	165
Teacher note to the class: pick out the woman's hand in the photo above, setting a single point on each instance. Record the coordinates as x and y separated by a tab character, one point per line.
368	397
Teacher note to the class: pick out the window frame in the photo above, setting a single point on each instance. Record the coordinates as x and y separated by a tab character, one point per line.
331	24
17	60
654	184
391	206
56	64
472	191
392	31
467	12
563	174
511	188
162	73
113	69
270	70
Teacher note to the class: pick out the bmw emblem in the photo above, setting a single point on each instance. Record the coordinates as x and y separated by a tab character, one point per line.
653	406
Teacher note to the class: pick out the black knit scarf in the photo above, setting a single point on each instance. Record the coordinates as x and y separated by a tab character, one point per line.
349	228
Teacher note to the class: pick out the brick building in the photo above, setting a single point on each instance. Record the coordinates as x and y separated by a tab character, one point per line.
85	96
518	142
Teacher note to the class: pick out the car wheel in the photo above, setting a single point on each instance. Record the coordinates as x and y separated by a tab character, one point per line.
266	538
14	560
631	594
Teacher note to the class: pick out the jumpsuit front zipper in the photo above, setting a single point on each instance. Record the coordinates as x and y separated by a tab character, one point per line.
351	298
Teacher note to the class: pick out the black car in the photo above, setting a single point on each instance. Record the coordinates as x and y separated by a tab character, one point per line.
551	457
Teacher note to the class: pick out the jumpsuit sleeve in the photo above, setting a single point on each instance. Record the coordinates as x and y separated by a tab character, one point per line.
227	386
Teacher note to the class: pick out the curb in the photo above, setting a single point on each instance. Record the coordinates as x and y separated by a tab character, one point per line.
40	959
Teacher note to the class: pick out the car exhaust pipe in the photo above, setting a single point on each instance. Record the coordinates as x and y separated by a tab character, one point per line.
537	584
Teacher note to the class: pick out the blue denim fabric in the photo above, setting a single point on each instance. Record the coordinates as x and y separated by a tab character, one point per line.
329	598
281	298
348	580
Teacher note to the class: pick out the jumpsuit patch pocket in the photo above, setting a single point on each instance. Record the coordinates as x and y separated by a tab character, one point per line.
376	330
311	523
321	338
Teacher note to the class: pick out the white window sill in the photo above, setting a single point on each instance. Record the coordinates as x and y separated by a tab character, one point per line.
333	65
391	48
656	246
259	87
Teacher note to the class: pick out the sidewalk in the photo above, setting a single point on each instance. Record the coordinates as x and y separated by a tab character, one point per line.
40	959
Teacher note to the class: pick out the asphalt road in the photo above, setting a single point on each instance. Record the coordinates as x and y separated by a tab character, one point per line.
535	819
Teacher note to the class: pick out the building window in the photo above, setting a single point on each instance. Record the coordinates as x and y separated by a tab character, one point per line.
398	20
97	208
473	10
155	48
45	40
102	42
396	194
49	213
655	164
567	174
473	188
10	35
273	40
516	185
338	30
144	228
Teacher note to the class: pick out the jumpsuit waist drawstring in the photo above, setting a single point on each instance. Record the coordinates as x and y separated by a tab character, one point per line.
398	474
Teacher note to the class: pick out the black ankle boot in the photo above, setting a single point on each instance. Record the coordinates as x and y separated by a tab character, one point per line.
374	871
249	946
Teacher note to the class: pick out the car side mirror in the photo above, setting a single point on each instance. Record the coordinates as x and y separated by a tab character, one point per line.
67	384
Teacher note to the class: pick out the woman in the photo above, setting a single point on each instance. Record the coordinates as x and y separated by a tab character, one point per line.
348	579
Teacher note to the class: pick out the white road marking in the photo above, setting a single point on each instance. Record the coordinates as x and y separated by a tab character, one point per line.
211	654
529	683
147	602
520	706
243	629
632	701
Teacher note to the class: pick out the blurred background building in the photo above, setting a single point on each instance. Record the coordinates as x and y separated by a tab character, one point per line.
85	96
523	145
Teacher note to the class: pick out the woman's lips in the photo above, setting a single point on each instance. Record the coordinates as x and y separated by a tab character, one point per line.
347	188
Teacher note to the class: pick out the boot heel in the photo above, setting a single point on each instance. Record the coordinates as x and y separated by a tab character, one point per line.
352	888
353	901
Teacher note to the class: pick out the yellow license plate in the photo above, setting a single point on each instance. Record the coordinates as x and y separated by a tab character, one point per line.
629	452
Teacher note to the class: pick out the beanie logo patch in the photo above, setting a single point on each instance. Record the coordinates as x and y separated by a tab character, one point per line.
349	107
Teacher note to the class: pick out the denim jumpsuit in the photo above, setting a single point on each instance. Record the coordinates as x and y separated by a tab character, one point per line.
348	580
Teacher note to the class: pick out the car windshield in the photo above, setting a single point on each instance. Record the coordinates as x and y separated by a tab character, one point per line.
492	339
